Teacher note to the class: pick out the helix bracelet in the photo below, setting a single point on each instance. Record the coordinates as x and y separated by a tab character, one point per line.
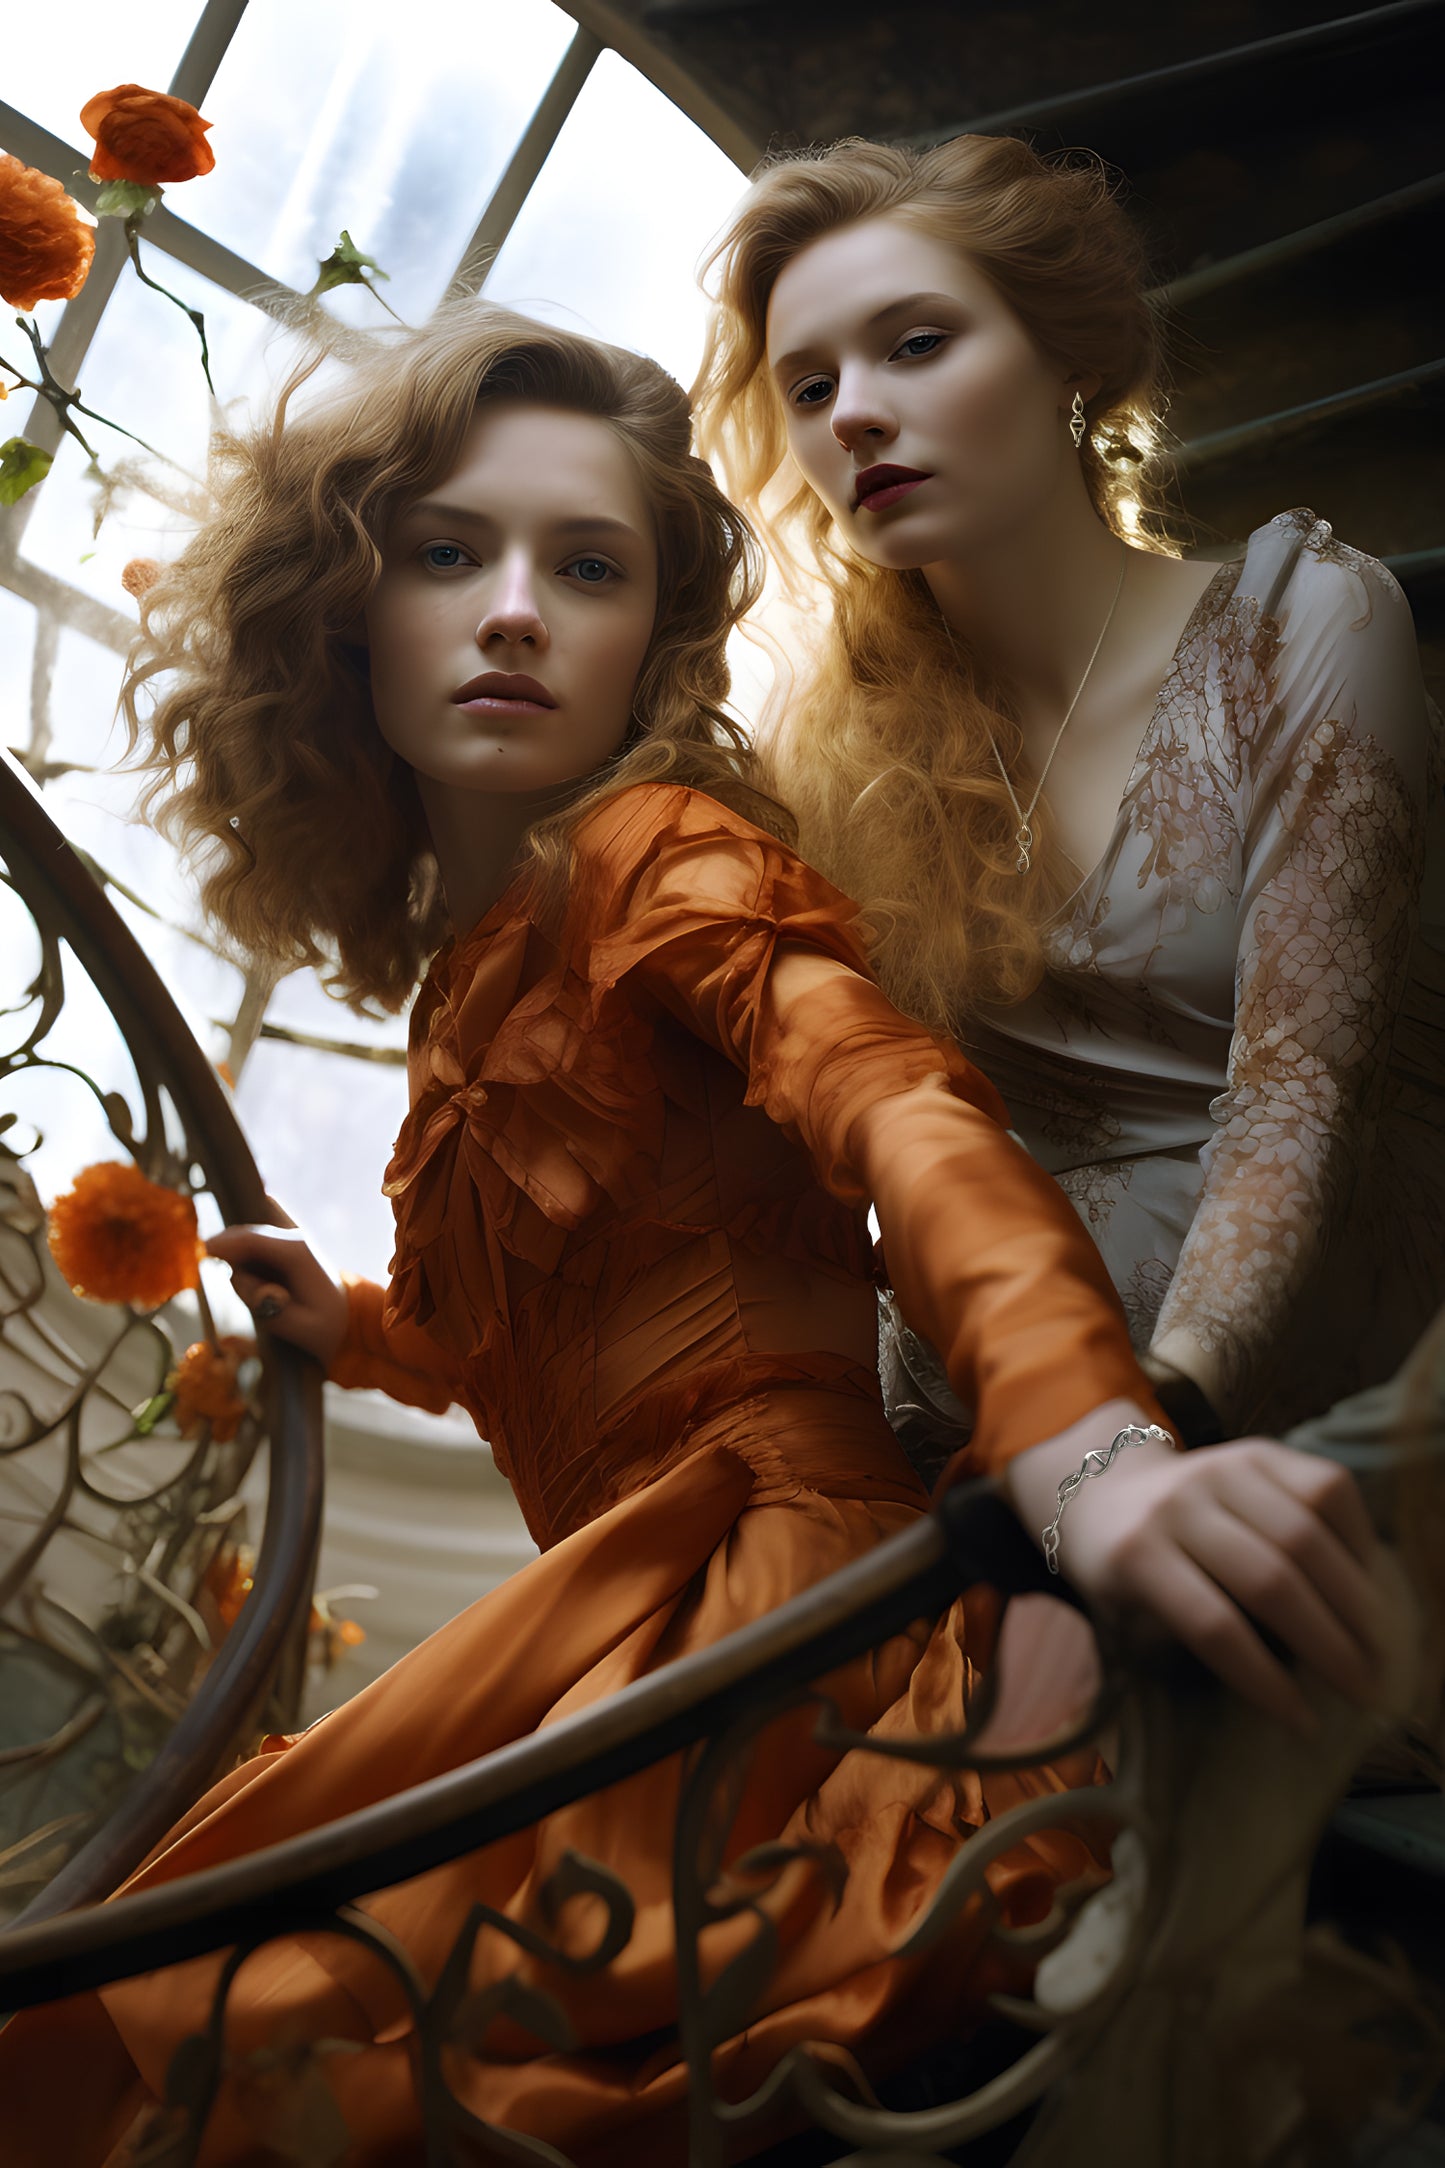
1095	1463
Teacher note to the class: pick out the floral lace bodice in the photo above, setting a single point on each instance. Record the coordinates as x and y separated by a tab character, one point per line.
1207	1067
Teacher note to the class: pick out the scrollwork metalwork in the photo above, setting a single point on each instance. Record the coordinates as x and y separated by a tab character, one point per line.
451	2015
117	1520
706	1895
1147	1993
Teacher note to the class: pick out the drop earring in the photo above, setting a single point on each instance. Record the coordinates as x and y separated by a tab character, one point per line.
1076	420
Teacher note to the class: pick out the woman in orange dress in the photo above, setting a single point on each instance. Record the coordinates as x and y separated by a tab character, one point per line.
443	678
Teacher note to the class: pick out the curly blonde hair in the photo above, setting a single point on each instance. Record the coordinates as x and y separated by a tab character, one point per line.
885	758
265	760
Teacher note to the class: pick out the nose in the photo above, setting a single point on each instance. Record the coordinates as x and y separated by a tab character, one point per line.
513	615
861	415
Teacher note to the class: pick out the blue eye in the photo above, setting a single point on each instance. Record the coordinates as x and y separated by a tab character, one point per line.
443	556
592	571
814	392
921	342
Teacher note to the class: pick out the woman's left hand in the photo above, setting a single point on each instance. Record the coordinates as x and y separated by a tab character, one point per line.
1217	1544
285	1286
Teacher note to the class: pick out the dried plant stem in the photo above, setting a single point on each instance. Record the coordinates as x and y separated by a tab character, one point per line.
132	243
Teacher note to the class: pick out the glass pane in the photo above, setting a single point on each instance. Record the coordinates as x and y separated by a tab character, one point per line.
83	694
609	238
54	65
351	113
302	1003
97	813
143	371
17	654
322	1128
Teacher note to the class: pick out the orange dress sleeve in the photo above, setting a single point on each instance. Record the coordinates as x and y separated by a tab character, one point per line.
397	1358
730	932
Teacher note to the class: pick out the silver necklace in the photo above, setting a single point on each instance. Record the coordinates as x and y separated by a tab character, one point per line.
1024	834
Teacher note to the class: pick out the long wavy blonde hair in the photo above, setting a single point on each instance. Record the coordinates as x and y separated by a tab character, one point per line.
885	756
249	700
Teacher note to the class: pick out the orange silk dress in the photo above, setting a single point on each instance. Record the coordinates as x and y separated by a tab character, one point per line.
631	1240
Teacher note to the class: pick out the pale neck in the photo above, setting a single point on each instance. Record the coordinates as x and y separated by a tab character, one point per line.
478	838
1030	604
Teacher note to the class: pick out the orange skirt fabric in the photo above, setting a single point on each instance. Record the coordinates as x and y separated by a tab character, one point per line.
778	1492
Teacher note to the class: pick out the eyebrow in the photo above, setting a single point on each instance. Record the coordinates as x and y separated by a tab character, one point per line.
903	306
583	523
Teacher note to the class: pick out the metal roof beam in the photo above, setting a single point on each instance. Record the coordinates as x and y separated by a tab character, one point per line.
504	205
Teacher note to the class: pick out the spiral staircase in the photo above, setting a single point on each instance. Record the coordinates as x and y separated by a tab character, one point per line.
1196	1962
1284	164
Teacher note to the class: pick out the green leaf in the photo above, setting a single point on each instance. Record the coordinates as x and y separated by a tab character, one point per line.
22	465
149	1413
346	266
126	199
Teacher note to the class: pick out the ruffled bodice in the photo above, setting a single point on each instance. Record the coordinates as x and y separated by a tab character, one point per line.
631	1189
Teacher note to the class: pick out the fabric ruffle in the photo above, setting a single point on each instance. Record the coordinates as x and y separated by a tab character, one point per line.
545	1108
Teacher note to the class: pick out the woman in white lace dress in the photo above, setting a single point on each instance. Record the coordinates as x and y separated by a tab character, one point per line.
1149	834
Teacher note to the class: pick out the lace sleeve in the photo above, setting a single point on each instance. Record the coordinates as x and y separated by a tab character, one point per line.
1333	813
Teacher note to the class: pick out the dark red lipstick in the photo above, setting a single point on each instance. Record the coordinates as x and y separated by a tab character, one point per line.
878	487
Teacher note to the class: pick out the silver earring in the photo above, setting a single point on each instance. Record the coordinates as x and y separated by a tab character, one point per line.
1076	420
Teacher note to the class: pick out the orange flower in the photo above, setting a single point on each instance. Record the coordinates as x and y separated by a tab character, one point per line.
204	1383
140	576
118	1237
228	1580
45	245
145	135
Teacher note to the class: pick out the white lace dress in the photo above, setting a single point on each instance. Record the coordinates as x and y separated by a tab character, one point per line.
1236	1067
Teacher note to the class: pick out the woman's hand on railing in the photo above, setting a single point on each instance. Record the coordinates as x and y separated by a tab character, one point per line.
285	1287
1218	1544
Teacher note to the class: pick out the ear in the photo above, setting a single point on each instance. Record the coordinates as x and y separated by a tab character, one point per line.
1082	382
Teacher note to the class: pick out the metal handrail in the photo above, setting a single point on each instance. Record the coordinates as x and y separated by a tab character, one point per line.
973	1537
44	866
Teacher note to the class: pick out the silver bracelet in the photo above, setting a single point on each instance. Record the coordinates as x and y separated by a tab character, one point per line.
1095	1463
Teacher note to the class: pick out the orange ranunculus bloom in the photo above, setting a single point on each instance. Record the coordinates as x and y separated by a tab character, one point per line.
145	135
118	1237
45	245
204	1383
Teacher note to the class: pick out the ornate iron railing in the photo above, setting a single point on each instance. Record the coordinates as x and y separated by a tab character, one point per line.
143	1700
1170	2007
1163	2005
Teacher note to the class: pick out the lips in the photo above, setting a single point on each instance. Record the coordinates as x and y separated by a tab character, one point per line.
878	487
499	685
